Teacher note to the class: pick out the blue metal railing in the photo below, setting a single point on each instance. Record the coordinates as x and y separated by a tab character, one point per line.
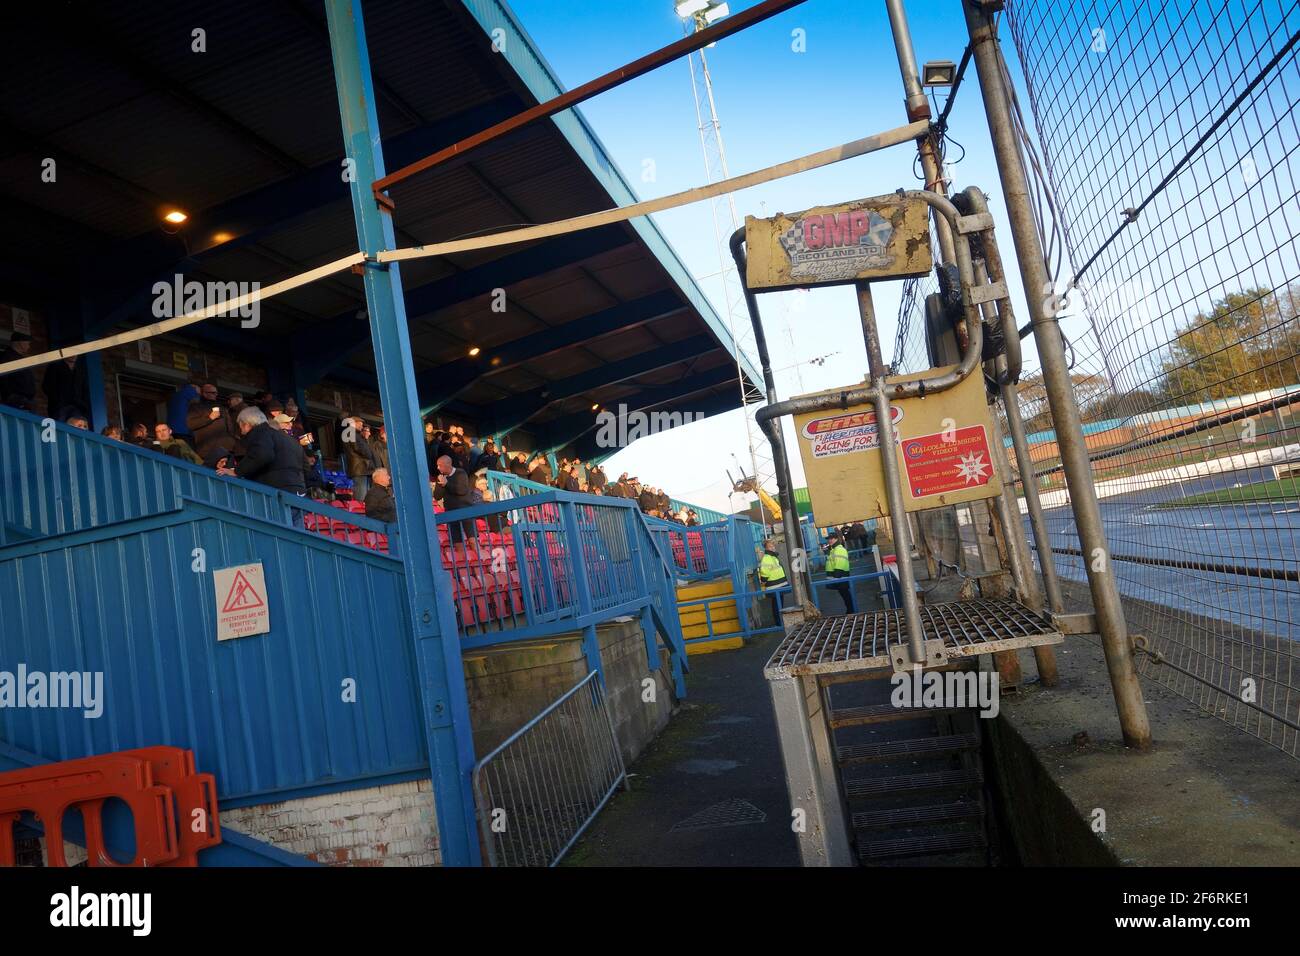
549	561
696	552
57	479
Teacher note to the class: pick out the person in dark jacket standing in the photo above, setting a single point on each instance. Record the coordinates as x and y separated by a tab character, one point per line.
540	472
178	411
454	489
358	461
379	448
212	426
18	389
489	458
67	390
270	456
380	503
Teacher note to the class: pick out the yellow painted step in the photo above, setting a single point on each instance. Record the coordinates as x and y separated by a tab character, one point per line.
723	614
719	611
709	647
719	627
694	592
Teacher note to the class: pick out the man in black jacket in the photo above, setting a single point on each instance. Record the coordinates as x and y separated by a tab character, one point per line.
270	456
18	389
380	503
211	425
453	488
67	390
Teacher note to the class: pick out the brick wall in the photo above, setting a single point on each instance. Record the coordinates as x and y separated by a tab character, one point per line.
392	825
395	825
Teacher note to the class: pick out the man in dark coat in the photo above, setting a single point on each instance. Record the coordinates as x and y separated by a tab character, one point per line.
540	471
454	489
358	461
380	503
270	456
213	427
596	477
489	458
67	390
18	389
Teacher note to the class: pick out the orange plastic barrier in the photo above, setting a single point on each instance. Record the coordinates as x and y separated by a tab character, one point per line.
159	785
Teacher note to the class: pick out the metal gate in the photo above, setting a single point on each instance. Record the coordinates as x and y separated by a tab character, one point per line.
544	784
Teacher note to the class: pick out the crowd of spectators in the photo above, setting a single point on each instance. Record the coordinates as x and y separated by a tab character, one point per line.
266	440
590	478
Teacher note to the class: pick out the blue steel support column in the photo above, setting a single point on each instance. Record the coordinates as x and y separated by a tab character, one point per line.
428	591
94	373
581	586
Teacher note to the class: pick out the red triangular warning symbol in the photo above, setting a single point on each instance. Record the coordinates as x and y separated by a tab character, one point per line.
242	597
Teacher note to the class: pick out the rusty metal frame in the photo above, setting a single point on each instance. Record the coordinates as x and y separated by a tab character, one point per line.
617	77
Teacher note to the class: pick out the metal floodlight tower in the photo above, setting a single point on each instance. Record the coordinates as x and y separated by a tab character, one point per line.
697	15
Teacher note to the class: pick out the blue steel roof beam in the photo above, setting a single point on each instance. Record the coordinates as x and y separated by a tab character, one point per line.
255	215
436	641
560	431
588	447
529	64
326	346
440	384
547	256
523	407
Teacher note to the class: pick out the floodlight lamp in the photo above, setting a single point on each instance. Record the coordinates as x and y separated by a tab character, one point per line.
688	8
939	73
716	13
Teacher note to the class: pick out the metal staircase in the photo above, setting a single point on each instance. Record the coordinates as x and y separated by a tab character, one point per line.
879	783
911	780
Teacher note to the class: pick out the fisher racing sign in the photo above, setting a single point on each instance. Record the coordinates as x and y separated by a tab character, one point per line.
886	237
847	433
943	445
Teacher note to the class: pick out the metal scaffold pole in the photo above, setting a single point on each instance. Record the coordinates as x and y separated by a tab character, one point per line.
1056	377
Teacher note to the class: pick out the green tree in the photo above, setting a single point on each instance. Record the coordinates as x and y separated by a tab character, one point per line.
1246	344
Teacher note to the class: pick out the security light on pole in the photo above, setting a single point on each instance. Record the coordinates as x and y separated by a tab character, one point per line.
939	73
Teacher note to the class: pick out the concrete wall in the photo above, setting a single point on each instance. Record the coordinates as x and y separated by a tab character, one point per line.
395	825
1071	794
508	685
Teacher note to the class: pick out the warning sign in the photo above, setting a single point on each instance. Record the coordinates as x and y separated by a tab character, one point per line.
841	452
241	601
847	433
948	461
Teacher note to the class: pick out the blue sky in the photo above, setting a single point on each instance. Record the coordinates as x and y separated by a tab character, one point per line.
774	104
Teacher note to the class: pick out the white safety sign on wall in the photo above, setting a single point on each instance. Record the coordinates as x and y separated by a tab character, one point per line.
242	608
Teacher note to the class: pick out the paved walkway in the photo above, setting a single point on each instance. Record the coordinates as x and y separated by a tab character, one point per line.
710	790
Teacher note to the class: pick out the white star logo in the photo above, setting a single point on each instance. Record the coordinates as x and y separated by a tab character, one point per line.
972	467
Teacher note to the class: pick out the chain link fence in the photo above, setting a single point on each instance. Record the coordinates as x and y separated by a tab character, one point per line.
1165	158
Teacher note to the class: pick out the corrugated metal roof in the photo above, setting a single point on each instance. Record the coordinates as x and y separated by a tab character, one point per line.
147	120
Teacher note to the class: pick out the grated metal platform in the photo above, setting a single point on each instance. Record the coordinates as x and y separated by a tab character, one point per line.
861	641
